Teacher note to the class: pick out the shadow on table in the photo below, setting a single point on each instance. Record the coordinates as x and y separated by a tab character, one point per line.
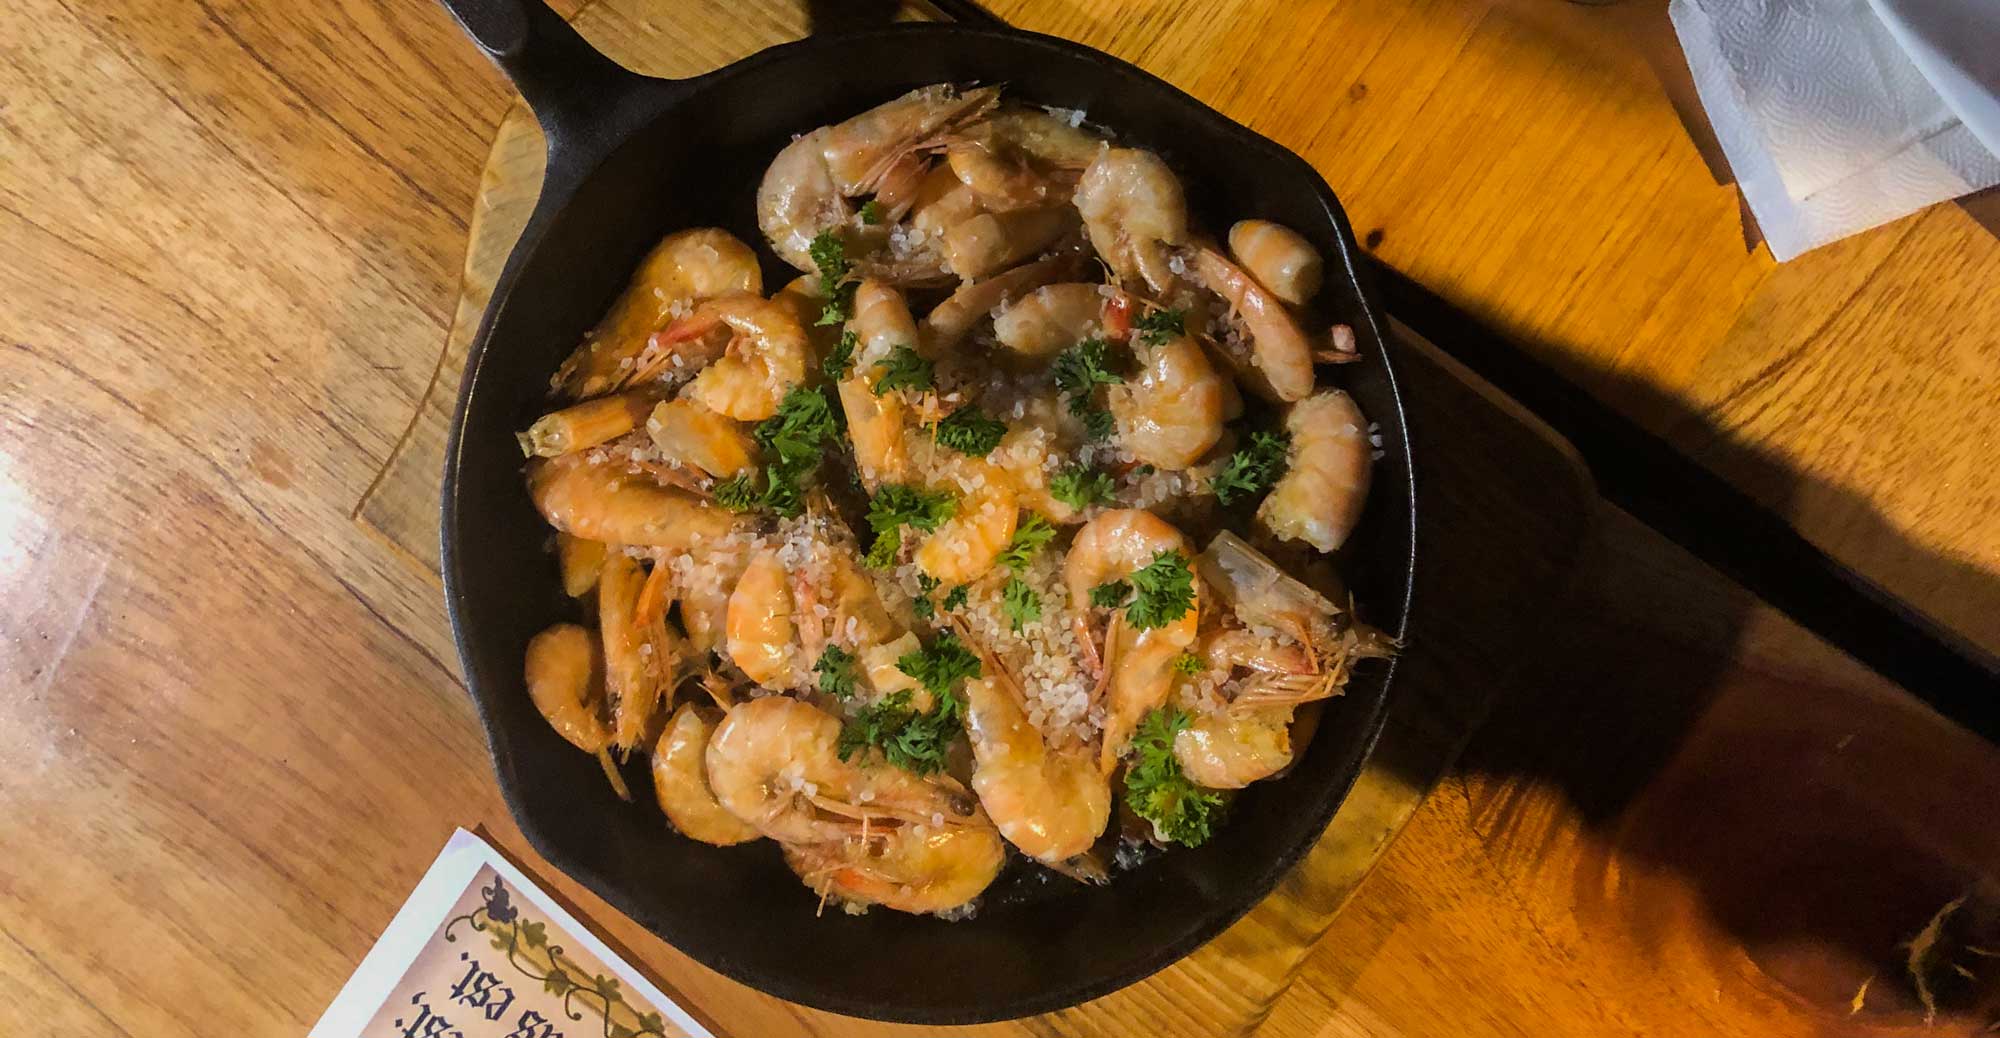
1819	819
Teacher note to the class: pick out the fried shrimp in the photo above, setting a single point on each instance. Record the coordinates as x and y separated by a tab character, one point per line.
680	781
1052	804
1319	498
775	763
1171	413
604	501
1137	661
685	268
765	358
1135	211
1278	258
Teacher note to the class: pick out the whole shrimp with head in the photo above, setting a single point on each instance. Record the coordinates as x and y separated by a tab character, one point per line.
812	188
1134	565
865	832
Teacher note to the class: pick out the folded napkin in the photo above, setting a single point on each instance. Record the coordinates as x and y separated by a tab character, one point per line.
1841	115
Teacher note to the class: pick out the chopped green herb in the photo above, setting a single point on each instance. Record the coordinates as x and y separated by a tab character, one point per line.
840	360
940	666
1144	470
922	605
1083	367
1157	790
1163	591
882	554
1082	486
1160	325
794	440
954	599
797	433
836	671
829	254
740	493
897	505
871	212
1252	469
915	742
1188	663
903	368
1098	423
968	431
1030	535
1020	603
1111	594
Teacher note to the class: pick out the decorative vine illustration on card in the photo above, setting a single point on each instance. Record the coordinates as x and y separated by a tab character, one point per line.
530	954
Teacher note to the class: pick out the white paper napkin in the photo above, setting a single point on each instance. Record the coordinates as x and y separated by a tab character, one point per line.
1829	124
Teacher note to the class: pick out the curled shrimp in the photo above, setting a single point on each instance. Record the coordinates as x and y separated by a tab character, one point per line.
809	187
985	243
680	781
951	321
1051	319
1021	158
1279	258
967	545
1319	498
765	358
909	868
1172	411
1135	211
686	267
600	500
775	763
1230	750
565	677
877	422
760	633
1136	665
689	434
1052	804
1280	362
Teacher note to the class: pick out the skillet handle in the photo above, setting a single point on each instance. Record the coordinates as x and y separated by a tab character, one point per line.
567	83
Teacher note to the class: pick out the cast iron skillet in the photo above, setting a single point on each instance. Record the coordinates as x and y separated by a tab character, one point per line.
631	158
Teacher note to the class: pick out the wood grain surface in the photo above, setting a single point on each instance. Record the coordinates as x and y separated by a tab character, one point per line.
232	730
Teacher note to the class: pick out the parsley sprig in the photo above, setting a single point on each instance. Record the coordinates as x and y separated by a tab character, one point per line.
840	360
1160	326
1157	790
794	440
829	254
1252	468
907	738
897	505
1082	486
969	431
836	671
1078	371
1111	594
1030	536
1020	603
904	368
1163	591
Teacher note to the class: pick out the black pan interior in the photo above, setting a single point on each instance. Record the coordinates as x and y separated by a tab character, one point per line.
1038	943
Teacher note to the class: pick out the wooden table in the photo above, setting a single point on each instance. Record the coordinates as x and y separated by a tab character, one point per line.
232	729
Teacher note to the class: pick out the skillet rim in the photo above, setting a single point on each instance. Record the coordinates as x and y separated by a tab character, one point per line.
575	154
